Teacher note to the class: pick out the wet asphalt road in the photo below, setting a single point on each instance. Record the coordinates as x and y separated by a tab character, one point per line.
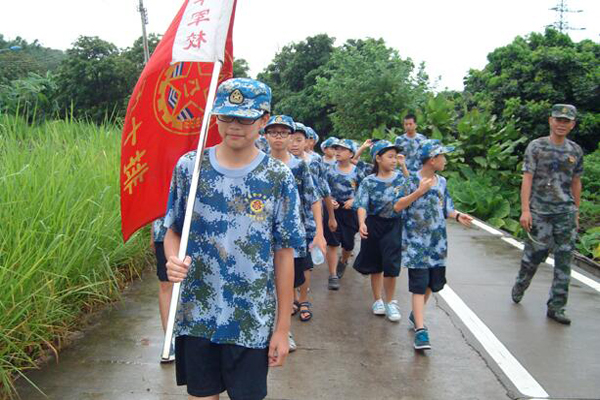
345	352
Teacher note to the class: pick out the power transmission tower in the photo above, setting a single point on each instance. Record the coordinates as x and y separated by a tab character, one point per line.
144	14
561	23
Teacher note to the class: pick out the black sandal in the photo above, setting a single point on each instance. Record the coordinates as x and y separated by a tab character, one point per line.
295	307
306	314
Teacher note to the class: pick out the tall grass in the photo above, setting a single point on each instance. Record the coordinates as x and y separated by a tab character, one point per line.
61	251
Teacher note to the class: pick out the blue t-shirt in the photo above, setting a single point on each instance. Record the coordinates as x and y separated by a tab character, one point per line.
240	218
343	185
378	196
308	195
410	150
425	242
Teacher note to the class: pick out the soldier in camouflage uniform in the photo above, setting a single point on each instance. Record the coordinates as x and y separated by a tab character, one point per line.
550	195
410	142
233	319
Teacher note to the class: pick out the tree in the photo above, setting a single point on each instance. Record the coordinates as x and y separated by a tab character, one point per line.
95	79
292	76
240	68
135	53
31	58
523	79
367	85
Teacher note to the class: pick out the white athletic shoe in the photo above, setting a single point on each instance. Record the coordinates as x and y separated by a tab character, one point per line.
378	307
392	312
292	342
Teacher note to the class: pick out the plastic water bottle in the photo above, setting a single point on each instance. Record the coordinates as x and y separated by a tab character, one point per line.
317	256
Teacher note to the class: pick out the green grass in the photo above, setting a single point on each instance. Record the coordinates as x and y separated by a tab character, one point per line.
61	252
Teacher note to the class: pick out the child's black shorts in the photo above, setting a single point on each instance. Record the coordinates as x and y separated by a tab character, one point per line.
161	261
301	264
419	279
347	222
208	368
382	250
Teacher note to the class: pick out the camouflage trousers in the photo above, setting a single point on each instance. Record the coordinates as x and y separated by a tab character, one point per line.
556	231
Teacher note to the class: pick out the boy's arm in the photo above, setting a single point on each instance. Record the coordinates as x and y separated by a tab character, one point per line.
404	202
284	284
525	219
319	239
332	223
361	149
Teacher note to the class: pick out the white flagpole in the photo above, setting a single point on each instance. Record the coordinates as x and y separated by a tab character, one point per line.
190	203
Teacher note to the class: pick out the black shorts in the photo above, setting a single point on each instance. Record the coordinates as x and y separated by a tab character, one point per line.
382	250
347	222
161	261
208	368
301	264
419	279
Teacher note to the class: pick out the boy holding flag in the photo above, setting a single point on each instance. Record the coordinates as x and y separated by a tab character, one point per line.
245	228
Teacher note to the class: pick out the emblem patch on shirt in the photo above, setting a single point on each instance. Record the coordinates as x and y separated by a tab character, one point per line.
256	206
572	159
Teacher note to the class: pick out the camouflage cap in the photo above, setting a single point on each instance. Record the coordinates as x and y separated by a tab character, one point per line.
433	147
329	142
346	144
299	127
380	146
312	134
564	111
242	97
283	120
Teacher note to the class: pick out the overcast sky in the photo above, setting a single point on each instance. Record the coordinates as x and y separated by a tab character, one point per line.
451	36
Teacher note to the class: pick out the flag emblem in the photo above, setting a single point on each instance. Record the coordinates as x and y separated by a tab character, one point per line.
180	97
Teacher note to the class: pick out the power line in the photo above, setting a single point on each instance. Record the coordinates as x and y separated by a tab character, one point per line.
561	24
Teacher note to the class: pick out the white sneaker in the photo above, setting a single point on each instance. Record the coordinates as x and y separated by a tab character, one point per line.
392	312
379	307
292	342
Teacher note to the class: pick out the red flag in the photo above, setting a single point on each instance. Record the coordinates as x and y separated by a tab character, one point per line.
165	112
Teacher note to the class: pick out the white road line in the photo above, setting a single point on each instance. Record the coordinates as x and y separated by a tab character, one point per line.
518	375
574	274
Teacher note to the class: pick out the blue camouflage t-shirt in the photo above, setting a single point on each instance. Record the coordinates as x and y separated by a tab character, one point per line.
318	172
241	216
343	185
308	195
410	150
378	195
158	230
425	242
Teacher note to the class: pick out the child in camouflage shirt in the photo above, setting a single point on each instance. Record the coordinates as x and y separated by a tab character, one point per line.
379	201
279	131
550	195
343	179
239	269
425	243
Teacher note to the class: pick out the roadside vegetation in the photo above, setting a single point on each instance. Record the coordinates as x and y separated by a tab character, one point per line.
61	252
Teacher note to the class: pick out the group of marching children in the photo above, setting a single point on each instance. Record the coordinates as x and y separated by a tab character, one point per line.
398	204
262	219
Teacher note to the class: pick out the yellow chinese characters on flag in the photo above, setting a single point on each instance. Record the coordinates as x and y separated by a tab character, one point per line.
165	112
